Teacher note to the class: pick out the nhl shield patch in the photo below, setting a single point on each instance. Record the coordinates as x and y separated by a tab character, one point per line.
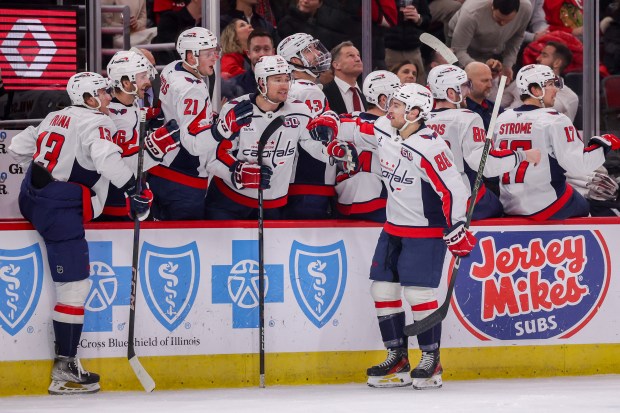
21	277
169	279
318	277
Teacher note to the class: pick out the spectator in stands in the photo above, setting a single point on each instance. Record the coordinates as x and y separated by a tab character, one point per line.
343	93
490	29
234	41
260	43
610	27
139	33
402	42
538	25
245	10
300	18
340	21
481	84
161	6
172	23
406	71
442	11
565	15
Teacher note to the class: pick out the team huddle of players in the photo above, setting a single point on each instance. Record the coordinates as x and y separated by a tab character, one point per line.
408	162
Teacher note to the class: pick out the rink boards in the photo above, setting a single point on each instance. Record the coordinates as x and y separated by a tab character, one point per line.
531	300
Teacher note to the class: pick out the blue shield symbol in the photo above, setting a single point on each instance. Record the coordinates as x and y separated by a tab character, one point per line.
169	278
318	277
21	277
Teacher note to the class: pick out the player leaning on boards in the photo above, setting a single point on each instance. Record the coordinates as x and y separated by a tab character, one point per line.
131	74
73	162
464	132
233	194
426	201
541	192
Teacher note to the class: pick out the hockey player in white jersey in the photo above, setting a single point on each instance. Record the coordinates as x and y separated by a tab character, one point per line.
426	200
72	161
131	75
360	189
463	131
313	181
233	193
180	183
541	192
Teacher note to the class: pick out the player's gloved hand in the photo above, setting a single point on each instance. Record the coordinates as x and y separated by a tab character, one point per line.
163	140
602	187
459	239
324	128
246	175
346	153
227	126
138	200
608	141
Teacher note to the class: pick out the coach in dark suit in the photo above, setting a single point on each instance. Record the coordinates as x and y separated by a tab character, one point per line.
343	93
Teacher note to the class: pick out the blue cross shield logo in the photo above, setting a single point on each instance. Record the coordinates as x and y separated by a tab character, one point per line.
237	284
318	277
21	278
109	286
169	279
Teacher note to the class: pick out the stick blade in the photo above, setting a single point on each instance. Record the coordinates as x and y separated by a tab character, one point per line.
438	46
145	379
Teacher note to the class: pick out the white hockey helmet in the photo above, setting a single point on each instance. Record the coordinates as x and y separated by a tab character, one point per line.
194	40
85	82
314	56
415	96
269	66
444	77
128	63
377	83
536	74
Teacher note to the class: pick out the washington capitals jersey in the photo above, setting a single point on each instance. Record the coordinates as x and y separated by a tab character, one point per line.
363	191
425	190
279	151
464	133
75	145
185	98
311	176
531	190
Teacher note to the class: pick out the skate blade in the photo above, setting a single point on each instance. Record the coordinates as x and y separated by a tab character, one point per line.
59	387
391	380
434	382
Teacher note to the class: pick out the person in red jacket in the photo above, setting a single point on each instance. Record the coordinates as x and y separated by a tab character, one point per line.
234	44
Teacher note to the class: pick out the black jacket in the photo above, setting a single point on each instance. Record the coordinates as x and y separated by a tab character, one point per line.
296	21
334	97
406	35
171	24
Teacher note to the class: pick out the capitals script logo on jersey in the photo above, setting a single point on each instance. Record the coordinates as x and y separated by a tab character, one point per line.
318	277
532	285
21	278
169	279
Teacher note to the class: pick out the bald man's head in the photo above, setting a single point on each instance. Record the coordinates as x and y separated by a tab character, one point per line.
481	81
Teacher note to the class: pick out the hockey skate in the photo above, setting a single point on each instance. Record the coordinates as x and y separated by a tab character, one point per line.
69	377
393	372
427	374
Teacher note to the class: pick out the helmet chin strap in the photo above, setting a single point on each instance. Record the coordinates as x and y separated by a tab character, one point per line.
457	103
133	92
264	94
540	98
409	122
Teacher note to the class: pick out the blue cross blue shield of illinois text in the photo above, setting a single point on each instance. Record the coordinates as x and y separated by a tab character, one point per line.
318	277
21	277
237	284
169	279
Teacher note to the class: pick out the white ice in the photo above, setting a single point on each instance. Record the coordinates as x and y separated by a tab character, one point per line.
560	394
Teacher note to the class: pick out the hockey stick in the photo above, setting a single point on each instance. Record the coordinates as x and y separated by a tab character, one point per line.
439	314
145	379
262	141
438	46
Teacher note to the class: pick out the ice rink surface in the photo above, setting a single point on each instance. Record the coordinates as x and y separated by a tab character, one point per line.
559	394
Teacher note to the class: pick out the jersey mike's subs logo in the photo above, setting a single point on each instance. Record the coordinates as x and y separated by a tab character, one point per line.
532	285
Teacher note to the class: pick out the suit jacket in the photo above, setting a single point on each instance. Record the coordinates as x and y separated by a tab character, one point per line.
334	97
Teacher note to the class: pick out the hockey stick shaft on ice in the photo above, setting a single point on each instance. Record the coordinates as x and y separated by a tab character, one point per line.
143	376
438	315
262	141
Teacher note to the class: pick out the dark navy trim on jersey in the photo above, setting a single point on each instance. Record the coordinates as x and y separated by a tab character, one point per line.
83	176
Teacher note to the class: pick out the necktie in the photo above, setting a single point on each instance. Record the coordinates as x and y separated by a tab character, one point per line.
357	103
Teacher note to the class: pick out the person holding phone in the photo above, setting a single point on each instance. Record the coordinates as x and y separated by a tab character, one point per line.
402	42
